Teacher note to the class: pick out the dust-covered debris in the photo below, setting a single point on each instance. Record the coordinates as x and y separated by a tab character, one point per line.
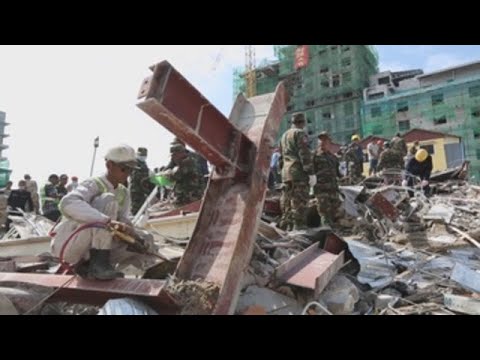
194	297
63	308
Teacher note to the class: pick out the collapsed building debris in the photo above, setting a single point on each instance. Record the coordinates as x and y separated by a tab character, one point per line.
395	251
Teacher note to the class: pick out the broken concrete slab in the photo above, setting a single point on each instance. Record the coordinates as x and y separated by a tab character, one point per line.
440	212
463	304
273	302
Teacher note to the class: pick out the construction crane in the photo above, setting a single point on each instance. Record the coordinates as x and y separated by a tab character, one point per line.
250	74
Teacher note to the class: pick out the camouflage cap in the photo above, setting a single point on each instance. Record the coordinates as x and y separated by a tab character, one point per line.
141	151
176	140
297	118
324	135
176	148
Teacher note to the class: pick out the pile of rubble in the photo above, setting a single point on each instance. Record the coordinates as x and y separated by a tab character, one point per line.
392	254
412	255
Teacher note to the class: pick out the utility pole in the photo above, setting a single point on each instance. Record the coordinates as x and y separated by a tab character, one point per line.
96	142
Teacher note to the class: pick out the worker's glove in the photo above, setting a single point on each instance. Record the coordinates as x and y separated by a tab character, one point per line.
122	227
405	183
424	183
312	180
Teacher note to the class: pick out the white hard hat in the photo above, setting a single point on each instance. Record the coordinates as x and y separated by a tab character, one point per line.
122	154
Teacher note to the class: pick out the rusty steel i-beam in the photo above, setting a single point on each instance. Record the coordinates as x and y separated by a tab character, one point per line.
240	147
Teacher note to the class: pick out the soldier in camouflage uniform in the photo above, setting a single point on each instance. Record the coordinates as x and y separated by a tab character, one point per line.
186	174
201	162
390	159
140	186
354	159
297	174
398	144
326	166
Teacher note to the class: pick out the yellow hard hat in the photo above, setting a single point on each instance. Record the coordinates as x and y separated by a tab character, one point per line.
355	137
421	155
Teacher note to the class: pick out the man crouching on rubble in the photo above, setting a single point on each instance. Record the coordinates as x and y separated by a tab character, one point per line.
99	200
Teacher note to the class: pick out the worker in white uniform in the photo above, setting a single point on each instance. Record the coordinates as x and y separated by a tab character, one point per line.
100	200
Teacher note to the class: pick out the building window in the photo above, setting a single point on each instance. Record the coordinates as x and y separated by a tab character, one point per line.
348	109
345	48
347	77
384	80
476	134
335	80
476	112
322	51
327	115
376	111
324	69
325	84
430	149
404	125
440	120
346	62
347	95
376	96
402	106
333	47
309	103
437	99
474	91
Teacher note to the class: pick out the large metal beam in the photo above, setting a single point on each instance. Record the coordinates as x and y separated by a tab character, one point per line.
222	242
177	105
74	289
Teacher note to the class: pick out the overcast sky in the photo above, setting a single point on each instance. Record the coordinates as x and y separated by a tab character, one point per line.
59	98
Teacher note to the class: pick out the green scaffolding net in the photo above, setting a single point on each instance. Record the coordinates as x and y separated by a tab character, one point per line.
452	108
328	89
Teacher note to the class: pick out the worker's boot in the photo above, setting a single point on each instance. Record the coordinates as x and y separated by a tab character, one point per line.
81	268
100	268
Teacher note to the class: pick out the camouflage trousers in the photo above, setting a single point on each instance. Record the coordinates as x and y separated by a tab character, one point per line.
328	204
293	203
138	199
355	171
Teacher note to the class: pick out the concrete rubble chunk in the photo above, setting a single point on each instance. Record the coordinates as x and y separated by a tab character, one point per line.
126	306
468	278
440	212
27	298
6	306
340	296
463	304
384	300
273	302
439	234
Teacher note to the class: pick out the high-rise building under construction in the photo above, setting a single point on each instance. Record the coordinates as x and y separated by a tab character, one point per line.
325	82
